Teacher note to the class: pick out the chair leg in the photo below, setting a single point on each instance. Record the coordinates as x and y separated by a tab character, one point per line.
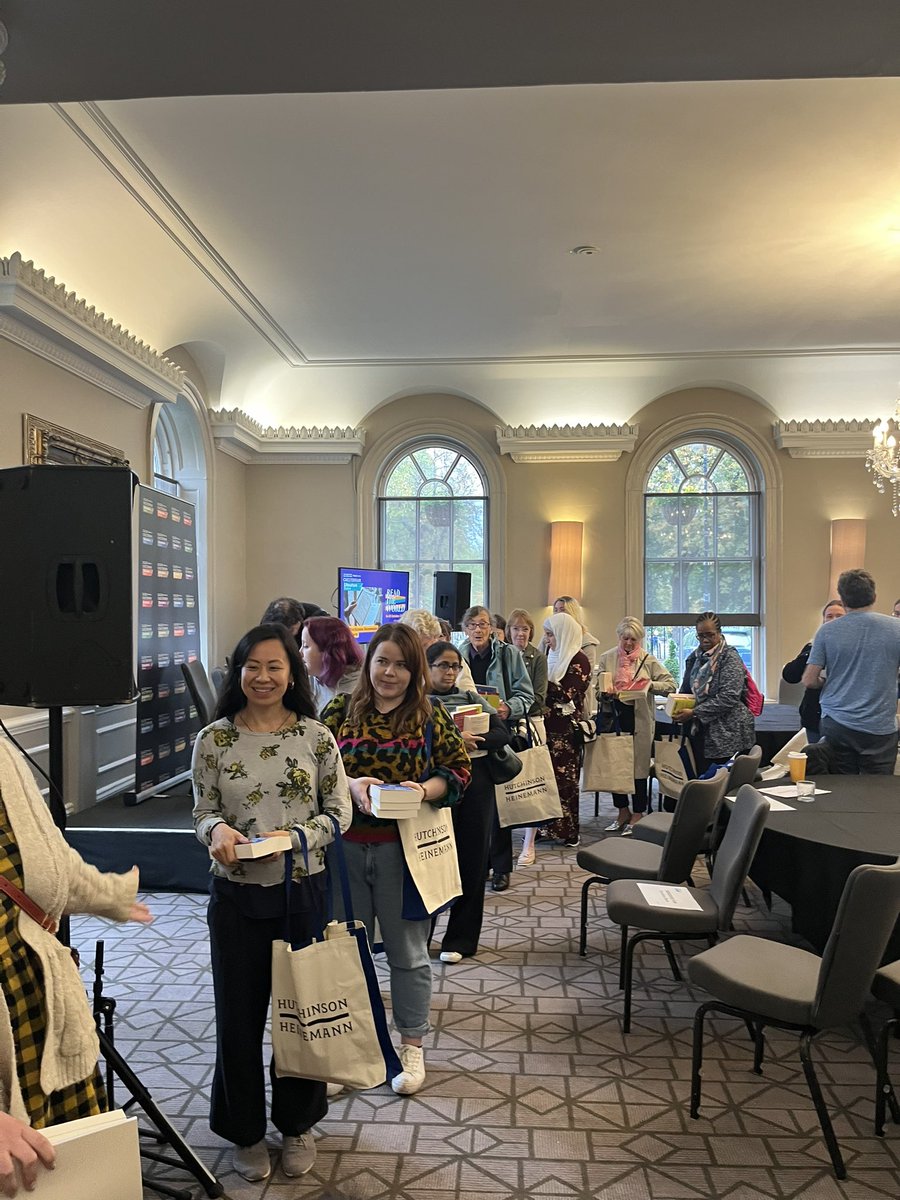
626	983
582	941
596	804
884	1092
818	1100
622	944
745	898
670	955
697	1059
759	1048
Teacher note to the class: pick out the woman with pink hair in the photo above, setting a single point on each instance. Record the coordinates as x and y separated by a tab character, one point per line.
332	658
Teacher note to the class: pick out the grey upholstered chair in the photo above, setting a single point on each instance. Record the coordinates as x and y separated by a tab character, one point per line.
626	905
655	826
624	858
886	987
764	982
201	690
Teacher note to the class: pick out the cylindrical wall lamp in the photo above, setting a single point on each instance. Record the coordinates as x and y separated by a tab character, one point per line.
848	550
565	559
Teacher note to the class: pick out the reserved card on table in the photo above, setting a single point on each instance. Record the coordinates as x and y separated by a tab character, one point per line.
664	895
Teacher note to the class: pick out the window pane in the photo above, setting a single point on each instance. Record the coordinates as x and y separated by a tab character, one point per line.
661	534
434	529
404	480
666	476
468	529
398	529
465	480
733	529
697	458
662	587
698	537
436	462
700	584
434	487
736	588
730	476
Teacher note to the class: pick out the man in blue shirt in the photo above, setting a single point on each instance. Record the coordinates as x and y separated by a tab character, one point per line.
855	662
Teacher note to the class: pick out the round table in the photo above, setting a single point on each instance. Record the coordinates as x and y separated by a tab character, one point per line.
805	855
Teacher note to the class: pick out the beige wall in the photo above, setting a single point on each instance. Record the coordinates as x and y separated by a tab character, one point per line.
228	585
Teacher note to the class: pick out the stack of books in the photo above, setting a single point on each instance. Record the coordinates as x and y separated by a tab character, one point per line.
678	702
394	801
471	718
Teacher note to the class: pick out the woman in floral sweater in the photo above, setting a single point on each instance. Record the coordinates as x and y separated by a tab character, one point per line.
381	730
264	766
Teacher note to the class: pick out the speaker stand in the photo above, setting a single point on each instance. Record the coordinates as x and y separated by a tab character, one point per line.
163	1134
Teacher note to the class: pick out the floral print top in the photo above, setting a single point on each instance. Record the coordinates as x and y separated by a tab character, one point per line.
259	782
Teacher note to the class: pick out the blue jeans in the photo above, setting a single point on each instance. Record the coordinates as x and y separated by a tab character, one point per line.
376	889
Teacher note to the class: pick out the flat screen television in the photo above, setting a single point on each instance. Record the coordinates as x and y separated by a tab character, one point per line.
369	598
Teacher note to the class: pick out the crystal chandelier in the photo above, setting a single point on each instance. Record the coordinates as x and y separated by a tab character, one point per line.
883	460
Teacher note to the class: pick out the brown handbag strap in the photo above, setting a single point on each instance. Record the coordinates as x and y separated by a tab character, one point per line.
27	905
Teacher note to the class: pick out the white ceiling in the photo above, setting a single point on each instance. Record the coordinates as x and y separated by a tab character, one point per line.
322	252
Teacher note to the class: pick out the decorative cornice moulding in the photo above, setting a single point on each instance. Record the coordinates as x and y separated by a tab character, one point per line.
566	443
237	434
43	316
842	438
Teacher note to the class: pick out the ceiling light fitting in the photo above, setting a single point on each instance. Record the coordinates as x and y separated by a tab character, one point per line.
883	460
585	250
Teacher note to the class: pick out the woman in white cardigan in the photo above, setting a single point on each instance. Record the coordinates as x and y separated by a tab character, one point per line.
637	678
48	1043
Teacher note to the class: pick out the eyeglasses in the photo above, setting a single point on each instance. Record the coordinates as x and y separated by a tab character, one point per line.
478	625
446	666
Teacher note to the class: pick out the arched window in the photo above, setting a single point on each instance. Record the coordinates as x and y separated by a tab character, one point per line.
433	516
701	548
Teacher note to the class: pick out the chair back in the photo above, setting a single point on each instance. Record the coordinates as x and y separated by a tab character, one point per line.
790	693
744	769
866	916
201	690
735	853
696	807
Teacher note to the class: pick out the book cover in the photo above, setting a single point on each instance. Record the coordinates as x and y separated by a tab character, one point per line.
490	694
261	847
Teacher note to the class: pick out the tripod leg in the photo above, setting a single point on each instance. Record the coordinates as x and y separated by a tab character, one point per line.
142	1096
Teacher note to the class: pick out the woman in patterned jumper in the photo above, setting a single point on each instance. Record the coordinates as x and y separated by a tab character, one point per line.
569	674
265	765
381	730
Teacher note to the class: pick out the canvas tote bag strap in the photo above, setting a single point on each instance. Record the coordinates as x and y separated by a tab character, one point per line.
339	858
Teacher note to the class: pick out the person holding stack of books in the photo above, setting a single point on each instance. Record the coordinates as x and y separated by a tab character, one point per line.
629	679
382	731
265	768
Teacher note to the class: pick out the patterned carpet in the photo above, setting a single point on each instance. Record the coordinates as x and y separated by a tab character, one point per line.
532	1090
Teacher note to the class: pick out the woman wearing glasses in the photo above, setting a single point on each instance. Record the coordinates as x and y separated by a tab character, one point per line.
473	815
501	666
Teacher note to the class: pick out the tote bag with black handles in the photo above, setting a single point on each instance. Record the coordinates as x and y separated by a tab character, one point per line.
608	764
532	798
328	1018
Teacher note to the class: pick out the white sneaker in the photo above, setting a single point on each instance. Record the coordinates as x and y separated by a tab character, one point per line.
298	1154
411	1078
451	956
333	1089
525	859
252	1162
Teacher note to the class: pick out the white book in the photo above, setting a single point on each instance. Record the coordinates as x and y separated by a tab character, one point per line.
261	847
97	1158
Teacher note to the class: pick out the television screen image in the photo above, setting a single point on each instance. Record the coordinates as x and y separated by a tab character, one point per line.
369	598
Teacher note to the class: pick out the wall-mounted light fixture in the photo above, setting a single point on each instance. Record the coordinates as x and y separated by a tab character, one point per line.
848	549
565	559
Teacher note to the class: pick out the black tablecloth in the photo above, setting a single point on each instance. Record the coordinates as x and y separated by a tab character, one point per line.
775	726
806	855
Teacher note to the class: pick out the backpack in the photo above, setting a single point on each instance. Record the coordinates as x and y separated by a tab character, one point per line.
752	697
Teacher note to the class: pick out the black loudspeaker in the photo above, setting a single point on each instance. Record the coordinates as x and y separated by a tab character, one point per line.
452	590
66	585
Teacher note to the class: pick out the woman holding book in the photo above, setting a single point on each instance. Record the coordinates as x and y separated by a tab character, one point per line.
265	766
383	733
48	1041
473	815
569	674
630	679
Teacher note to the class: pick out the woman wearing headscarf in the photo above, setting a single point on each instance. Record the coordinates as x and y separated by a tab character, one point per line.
637	677
589	647
568	674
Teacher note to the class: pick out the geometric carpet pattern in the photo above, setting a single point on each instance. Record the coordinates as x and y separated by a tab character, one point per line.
532	1090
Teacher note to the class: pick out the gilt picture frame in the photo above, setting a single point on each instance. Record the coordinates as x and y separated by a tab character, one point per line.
47	444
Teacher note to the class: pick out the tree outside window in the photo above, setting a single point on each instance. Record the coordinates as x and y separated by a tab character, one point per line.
433	517
701	550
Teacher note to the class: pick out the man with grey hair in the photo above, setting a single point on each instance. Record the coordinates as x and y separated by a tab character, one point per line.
855	662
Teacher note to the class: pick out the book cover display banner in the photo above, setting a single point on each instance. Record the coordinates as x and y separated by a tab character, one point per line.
168	635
